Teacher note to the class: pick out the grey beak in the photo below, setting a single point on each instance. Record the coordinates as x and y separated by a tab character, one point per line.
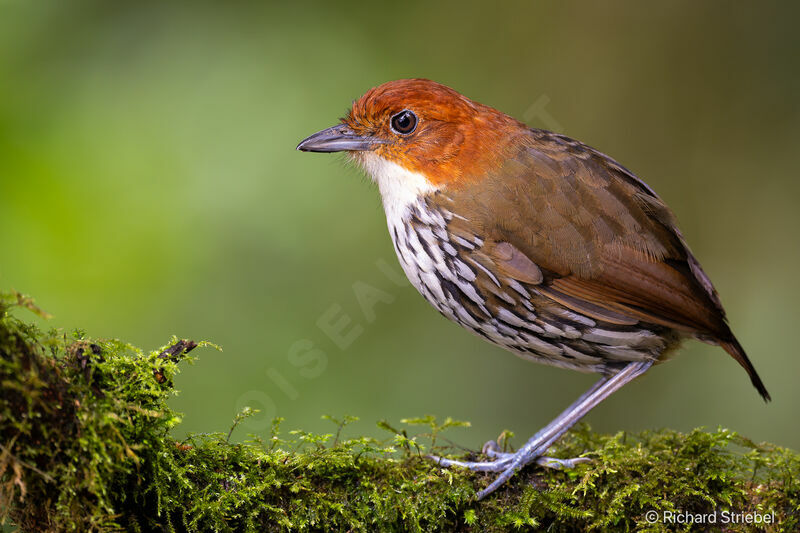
338	138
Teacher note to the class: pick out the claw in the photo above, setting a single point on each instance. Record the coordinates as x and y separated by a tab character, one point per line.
492	449
489	447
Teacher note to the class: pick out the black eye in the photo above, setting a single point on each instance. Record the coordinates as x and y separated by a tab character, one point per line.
404	122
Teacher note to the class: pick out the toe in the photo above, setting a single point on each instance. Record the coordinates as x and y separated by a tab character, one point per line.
561	464
477	466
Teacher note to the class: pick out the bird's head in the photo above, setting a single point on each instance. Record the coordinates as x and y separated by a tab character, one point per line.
419	134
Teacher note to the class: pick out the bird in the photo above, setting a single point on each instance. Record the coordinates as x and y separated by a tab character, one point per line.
532	240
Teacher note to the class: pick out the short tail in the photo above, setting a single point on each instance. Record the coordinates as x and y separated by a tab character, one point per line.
733	347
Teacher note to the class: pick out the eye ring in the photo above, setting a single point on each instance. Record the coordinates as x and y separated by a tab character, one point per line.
404	122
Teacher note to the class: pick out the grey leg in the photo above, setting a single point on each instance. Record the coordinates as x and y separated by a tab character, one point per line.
545	438
502	460
537	445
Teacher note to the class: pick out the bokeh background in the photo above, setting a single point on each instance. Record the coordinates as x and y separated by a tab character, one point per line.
149	186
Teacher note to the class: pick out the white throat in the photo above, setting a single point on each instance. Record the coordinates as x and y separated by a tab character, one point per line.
400	188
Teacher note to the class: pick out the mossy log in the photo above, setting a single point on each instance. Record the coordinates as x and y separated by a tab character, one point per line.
86	445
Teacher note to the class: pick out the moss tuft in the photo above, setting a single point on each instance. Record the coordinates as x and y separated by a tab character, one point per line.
85	445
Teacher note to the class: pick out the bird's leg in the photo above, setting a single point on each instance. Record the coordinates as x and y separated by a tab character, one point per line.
503	459
537	445
490	448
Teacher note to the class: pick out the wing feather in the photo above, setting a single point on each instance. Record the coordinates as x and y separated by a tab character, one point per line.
594	238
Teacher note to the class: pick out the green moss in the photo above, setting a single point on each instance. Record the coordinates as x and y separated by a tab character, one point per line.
86	446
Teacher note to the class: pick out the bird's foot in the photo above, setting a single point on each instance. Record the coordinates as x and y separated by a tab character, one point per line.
508	463
492	449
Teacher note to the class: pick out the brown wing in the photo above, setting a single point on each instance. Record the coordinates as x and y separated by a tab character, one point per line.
601	238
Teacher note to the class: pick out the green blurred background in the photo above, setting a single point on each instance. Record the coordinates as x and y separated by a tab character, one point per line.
149	186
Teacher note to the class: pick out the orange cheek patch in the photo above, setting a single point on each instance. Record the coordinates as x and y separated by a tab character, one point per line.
450	158
457	141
